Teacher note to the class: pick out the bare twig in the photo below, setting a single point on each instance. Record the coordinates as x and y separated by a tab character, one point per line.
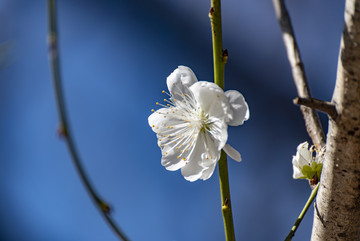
64	130
311	118
323	106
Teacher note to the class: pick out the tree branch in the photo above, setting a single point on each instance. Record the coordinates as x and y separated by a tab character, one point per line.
338	200
323	106
64	129
311	118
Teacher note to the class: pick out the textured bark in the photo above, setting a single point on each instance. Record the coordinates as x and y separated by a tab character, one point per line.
338	202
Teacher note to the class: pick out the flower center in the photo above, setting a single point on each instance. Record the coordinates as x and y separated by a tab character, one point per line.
184	121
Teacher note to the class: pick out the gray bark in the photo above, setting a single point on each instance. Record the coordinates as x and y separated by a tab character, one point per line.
338	202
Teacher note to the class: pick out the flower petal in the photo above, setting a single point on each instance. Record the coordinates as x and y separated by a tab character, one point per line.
231	152
156	119
303	155
192	171
238	106
170	159
208	172
218	131
203	156
302	158
211	99
207	146
297	173
180	80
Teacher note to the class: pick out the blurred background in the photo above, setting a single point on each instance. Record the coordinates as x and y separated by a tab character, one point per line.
115	57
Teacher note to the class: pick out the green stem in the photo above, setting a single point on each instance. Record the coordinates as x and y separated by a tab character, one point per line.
225	198
302	214
220	58
64	129
218	54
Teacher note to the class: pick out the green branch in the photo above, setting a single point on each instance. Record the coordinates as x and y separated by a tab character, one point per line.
302	214
64	129
220	58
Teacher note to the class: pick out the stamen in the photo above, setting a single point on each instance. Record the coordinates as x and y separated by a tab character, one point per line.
157	103
164	92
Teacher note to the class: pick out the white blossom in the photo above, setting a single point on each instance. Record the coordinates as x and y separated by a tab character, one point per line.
306	163
192	125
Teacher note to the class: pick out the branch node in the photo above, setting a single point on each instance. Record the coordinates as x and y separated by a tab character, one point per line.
225	56
323	106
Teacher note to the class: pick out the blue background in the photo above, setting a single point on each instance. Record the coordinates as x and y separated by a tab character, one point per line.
115	58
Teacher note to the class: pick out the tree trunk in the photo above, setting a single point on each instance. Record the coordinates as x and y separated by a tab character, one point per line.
337	216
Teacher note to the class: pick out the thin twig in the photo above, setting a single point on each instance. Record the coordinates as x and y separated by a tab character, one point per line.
323	106
220	58
302	214
64	129
311	118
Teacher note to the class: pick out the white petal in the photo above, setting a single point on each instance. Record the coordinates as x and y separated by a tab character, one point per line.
211	99
192	171
231	152
208	172
238	106
218	131
303	155
170	159
210	153
297	173
180	80
157	120
203	157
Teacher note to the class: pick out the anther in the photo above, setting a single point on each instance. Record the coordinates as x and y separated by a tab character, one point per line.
152	110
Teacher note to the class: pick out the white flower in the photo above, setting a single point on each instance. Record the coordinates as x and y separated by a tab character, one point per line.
192	127
306	164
